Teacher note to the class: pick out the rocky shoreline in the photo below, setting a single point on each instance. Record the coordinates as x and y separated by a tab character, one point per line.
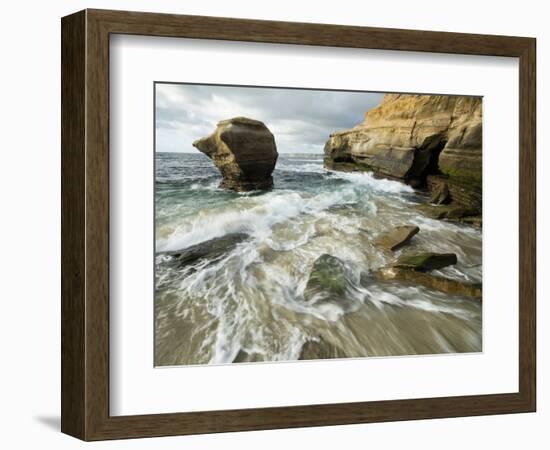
431	142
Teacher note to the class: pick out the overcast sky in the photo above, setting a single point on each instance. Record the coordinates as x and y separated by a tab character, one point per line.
301	120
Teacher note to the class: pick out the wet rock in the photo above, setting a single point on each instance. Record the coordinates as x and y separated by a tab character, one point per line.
338	155
430	281
396	238
244	152
460	192
425	261
207	250
320	349
327	280
453	212
475	221
440	195
246	357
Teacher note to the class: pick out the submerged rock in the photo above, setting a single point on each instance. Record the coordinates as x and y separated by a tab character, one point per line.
327	280
244	152
397	238
320	349
207	250
425	261
435	282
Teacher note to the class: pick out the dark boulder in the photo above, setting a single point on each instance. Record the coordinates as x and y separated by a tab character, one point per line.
425	261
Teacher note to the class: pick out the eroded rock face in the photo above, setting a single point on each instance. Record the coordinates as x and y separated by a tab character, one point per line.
402	136
244	151
440	194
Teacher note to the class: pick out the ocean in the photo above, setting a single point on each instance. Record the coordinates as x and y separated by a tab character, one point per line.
246	304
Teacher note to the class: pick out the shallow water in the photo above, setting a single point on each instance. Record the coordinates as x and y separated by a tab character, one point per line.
251	298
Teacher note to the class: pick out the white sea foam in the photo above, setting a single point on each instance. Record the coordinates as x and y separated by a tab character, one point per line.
308	167
253	215
376	184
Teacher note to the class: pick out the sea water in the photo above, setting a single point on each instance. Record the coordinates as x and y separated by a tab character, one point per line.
250	299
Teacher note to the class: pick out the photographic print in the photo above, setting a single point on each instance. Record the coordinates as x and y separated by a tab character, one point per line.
301	224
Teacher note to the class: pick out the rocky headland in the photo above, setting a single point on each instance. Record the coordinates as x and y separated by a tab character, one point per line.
431	142
244	151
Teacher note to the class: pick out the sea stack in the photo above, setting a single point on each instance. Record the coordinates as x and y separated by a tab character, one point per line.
244	152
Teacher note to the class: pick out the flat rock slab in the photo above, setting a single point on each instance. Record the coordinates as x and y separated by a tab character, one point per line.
397	238
430	281
425	261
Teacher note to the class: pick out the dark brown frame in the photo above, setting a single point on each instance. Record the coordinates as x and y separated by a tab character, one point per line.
85	224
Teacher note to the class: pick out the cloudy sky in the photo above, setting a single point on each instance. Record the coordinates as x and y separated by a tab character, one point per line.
301	120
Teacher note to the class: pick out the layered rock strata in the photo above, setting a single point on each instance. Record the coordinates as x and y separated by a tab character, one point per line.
424	140
244	151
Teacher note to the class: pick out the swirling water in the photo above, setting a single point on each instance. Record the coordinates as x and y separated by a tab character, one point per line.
250	299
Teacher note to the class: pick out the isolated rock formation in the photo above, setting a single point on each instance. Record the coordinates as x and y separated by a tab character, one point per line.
424	140
244	152
396	238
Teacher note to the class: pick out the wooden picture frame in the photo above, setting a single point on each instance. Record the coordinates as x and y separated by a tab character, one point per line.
85	224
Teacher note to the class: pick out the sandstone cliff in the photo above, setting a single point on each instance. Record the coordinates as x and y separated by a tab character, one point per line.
420	139
244	152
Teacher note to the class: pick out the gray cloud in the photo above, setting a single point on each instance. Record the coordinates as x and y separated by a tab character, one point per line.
300	119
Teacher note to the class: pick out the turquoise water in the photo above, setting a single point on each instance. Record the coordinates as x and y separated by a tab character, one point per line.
250	299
